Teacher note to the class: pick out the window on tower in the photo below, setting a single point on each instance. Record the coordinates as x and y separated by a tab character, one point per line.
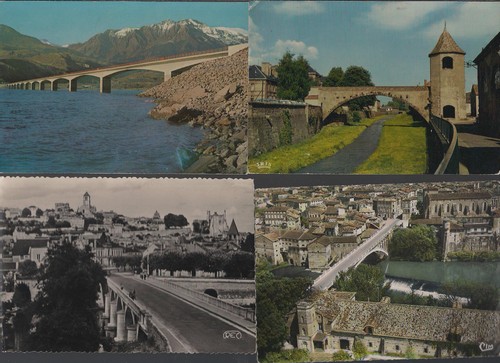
447	63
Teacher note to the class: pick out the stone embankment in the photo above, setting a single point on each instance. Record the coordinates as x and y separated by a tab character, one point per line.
212	95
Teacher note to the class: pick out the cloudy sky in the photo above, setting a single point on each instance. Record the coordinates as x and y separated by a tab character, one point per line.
136	197
390	39
67	22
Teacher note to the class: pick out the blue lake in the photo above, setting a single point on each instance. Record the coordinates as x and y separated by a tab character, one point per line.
88	132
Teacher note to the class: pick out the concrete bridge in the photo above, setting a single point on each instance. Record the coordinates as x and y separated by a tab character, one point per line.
331	98
169	66
378	242
180	319
240	292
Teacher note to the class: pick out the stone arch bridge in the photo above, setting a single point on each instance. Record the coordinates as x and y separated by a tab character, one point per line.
331	98
169	66
378	242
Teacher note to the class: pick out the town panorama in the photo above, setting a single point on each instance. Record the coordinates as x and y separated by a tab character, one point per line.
378	271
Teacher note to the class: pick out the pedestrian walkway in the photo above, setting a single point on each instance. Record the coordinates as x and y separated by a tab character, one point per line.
346	160
192	298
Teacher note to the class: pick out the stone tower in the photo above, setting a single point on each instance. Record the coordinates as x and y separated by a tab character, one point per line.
307	325
86	200
447	68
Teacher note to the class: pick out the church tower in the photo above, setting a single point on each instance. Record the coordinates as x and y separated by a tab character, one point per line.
86	200
447	68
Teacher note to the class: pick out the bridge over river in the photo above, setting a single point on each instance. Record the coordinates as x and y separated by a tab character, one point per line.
169	66
376	243
186	320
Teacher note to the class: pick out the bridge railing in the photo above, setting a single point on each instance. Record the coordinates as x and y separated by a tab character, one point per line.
248	314
448	136
174	56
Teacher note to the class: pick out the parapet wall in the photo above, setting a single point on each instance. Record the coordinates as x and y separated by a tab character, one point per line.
268	119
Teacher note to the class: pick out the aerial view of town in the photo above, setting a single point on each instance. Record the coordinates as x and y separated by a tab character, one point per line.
127	265
378	271
357	87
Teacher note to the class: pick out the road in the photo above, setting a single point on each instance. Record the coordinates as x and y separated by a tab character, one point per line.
188	328
347	159
325	281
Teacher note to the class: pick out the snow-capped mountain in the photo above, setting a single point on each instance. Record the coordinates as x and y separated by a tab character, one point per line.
161	39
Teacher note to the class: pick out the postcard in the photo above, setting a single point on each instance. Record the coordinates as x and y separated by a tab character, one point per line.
127	265
129	87
346	87
378	271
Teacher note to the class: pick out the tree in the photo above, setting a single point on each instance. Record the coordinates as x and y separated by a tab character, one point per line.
418	243
248	245
25	213
359	349
173	220
39	212
367	281
356	116
293	77
66	306
356	76
334	77
22	295
28	268
275	298
240	264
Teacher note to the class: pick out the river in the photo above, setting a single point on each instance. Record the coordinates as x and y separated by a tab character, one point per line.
88	132
427	276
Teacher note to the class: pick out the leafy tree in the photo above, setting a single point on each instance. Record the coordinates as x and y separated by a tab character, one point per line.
39	212
356	117
356	76
215	262
248	245
193	261
410	352
173	220
66	306
28	268
275	298
22	295
480	296
25	213
418	243
51	222
293	77
334	77
241	264
341	355
359	349
367	281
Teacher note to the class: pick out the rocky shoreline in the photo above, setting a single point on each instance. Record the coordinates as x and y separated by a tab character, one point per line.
212	95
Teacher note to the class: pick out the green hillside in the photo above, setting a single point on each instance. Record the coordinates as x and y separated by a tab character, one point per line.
24	57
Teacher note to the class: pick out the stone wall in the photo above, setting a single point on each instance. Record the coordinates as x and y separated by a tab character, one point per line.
267	119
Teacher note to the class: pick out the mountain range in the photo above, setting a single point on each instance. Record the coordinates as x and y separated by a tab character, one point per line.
24	57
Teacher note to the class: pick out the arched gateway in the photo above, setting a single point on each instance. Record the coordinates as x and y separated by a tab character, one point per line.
443	96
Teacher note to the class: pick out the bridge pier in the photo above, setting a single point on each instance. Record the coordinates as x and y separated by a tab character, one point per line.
72	85
121	329
167	75
107	304
105	84
53	85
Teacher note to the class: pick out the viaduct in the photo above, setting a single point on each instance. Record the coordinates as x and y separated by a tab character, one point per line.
169	66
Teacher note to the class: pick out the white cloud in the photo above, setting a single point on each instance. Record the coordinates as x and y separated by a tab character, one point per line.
470	20
403	15
255	40
296	47
294	8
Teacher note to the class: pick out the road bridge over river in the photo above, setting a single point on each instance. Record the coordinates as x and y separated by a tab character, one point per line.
189	321
376	243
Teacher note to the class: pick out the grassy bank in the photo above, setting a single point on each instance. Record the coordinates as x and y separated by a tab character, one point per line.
402	149
327	142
